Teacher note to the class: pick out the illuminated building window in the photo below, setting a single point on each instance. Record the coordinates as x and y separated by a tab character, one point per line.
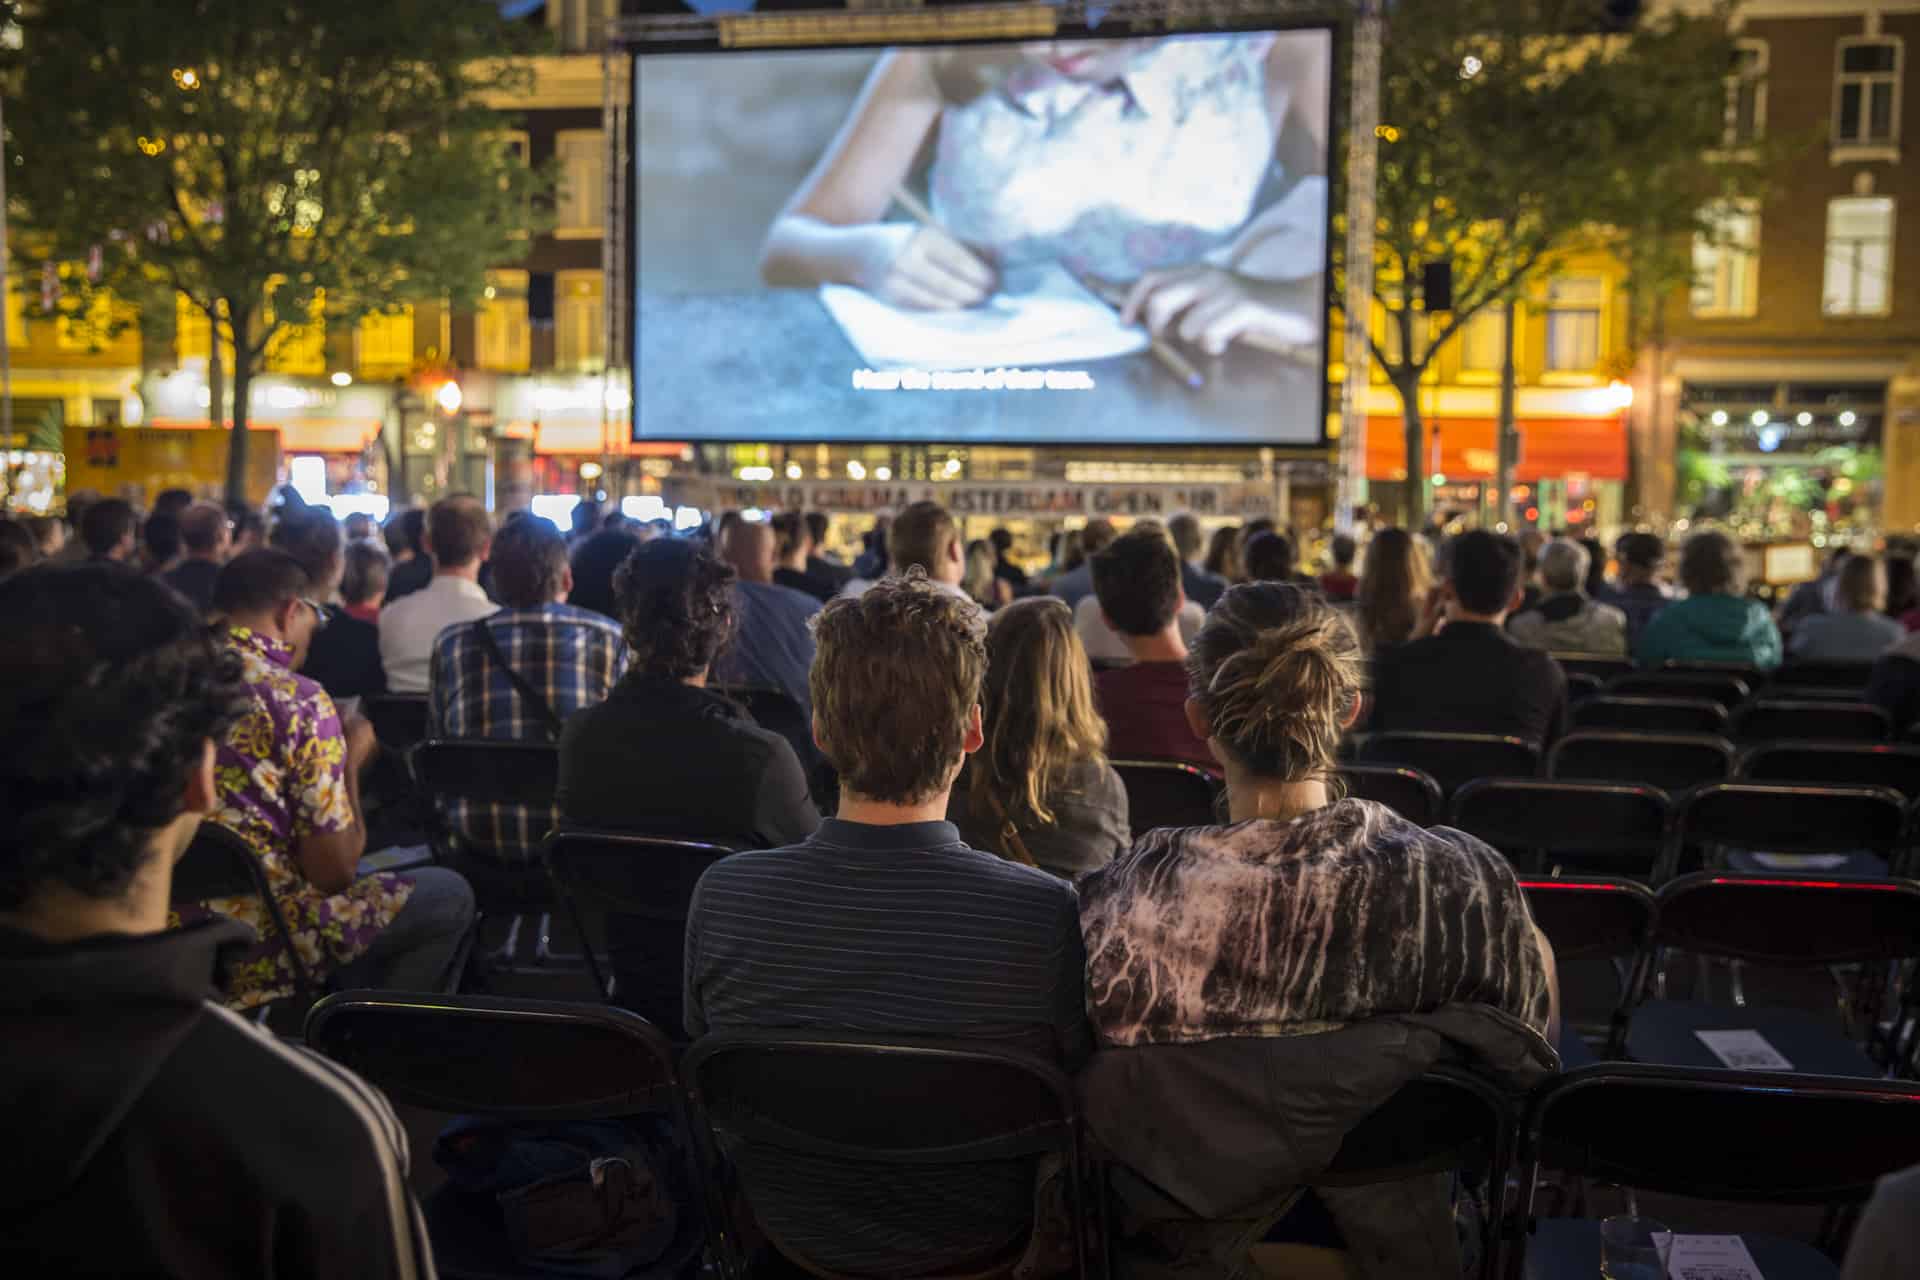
1859	272
579	207
503	334
1866	93
1574	309
1483	341
1726	262
579	322
1747	94
384	344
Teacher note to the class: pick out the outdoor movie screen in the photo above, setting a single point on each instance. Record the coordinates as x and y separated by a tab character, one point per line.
1116	240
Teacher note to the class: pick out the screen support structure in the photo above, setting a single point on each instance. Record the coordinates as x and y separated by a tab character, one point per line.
616	115
1363	153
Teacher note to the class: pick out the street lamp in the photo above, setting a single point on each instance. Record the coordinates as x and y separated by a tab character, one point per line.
448	397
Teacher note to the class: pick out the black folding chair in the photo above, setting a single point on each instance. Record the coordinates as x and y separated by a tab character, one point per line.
876	1100
1592	922
1614	827
1166	793
221	864
529	1062
1830	678
627	896
1581	686
1876	764
1651	715
1748	1136
1751	820
1753	675
775	711
1767	718
1781	922
1727	689
1454	759
1410	793
1672	762
399	719
1601	666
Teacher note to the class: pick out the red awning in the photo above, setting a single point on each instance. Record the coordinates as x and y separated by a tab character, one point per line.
1549	448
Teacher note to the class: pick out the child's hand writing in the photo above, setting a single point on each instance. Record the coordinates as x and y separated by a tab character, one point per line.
925	269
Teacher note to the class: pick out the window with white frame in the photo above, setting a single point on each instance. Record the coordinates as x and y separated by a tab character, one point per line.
579	325
503	334
1866	101
1483	341
1859	273
1726	262
1574	307
583	166
1747	94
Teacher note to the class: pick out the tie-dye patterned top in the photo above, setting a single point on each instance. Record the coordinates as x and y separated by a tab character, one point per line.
1291	928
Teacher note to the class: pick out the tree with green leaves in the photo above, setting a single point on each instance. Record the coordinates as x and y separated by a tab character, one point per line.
273	163
1517	132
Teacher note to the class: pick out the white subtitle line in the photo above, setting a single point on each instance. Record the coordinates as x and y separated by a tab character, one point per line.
972	380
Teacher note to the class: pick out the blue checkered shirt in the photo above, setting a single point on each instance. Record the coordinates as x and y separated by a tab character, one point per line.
572	656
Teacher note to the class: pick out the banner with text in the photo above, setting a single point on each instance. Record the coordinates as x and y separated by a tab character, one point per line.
1045	501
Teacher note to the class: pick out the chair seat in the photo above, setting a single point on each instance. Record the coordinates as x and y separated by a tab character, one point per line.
1574	1050
1662	1031
1858	863
1569	1249
469	1241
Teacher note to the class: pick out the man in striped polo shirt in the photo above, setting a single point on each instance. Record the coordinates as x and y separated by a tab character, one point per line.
885	921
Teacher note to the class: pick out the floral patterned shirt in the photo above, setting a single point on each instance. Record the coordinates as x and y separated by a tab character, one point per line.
281	776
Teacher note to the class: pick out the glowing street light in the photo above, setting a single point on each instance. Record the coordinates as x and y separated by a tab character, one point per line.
341	378
1719	417
187	78
1848	417
1760	418
448	397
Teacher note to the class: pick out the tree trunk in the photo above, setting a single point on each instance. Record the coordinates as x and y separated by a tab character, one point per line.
1416	504
1507	445
216	377
242	388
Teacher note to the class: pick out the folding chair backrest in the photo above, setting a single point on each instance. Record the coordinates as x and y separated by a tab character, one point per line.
1454	759
775	711
635	875
221	864
399	719
480	772
482	1055
1601	665
1726	689
1412	794
1612	821
1447	1118
1672	762
1876	764
1746	671
1651	715
1844	677
1790	920
1766	718
1764	1136
1778	818
1590	915
1165	793
1581	686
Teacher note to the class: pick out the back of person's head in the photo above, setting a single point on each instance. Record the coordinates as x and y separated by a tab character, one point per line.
203	528
1710	565
1277	675
1862	585
1345	550
161	533
1484	569
255	584
1903	587
249	526
1136	578
458	531
895	681
364	580
749	548
17	547
1394	583
1223	553
817	527
1596	564
1036	710
1253	529
172	502
1095	536
1002	541
356	526
530	567
1184	529
790	533
675	601
979	578
1269	557
111	687
1069	554
1640	551
595	560
106	525
311	536
1563	566
586	517
406	532
924	534
49	533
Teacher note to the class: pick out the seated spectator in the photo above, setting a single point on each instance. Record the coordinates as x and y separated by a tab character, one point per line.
110	528
1223	555
1040	790
458	537
1855	629
160	539
1895	684
794	553
822	563
1137	584
248	526
1396	587
596	558
871	564
772	643
1810	599
171	502
1259	987
358	527
1004	568
17	547
588	515
1200	586
1637	591
344	655
1567	620
516	675
1270	557
1886	1241
924	536
1076	584
149	1131
1104	645
1471	677
406	538
1532	543
1715	623
364	583
288	775
983	586
1339	585
49	534
1903	592
1596	567
207	535
886	922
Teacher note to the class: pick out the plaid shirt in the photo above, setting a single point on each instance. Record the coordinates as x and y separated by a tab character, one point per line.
572	656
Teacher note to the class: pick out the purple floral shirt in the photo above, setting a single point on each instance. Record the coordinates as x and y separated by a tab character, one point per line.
281	775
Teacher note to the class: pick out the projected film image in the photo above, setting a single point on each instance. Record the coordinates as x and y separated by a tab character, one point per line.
1118	240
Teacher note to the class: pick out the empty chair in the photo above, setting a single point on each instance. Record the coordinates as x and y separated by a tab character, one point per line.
1769	826
1454	759
1752	1136
1619	828
533	1062
221	864
1597	924
1725	688
1672	762
1766	718
399	719
1600	665
1410	793
1651	715
1832	678
1166	793
780	1099
1781	922
1834	763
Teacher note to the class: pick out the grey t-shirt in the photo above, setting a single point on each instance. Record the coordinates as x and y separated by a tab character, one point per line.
1089	821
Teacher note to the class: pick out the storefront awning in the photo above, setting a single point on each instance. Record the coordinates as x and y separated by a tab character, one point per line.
1549	448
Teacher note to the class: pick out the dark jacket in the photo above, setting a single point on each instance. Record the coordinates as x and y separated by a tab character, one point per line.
1201	587
344	657
194	579
407	578
1470	678
151	1132
1895	685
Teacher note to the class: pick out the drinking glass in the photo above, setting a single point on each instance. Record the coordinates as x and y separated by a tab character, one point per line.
1634	1249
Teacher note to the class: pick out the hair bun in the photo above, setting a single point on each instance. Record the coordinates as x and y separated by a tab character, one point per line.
1282	702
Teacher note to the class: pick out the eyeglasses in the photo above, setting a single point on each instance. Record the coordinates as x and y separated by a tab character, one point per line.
319	614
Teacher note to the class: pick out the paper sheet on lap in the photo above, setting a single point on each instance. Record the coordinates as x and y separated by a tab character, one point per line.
1045	318
1711	1258
1744	1050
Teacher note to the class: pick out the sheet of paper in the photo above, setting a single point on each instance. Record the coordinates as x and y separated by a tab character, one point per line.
1744	1050
1045	317
1711	1258
1801	861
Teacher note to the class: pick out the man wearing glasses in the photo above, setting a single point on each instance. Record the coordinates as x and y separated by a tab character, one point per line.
288	781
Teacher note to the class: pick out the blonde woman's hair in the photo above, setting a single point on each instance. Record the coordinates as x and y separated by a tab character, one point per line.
1394	582
981	564
1278	674
1037	711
